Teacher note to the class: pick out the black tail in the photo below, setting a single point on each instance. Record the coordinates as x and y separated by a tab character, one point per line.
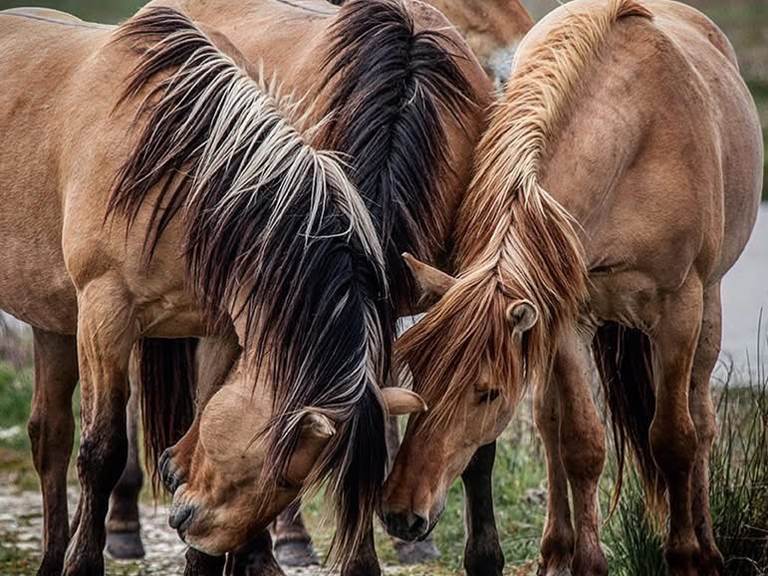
167	375
624	359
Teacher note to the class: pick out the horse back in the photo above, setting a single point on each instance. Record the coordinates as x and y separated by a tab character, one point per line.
660	158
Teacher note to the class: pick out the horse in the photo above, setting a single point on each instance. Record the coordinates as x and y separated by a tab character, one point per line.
125	228
429	43
617	183
493	29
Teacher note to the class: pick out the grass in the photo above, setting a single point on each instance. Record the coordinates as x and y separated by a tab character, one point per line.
632	540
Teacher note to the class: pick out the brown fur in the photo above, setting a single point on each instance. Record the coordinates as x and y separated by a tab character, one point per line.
76	275
629	145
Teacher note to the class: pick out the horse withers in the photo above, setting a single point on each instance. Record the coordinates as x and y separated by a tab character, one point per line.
617	183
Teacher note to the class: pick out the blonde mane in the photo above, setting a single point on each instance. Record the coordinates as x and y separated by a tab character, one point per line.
514	240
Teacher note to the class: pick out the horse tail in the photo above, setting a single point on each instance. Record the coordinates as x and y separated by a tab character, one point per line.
167	387
624	358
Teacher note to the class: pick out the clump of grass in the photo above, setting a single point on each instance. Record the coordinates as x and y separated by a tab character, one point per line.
15	402
738	494
633	537
739	479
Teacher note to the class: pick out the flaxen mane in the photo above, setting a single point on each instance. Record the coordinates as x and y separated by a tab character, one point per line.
273	229
515	240
389	91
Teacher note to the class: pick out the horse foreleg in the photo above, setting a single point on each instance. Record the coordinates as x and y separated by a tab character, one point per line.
365	562
558	538
199	564
105	337
123	527
482	553
51	429
256	560
582	439
293	544
673	436
703	413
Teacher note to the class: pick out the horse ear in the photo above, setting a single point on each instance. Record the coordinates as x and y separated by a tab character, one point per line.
433	283
400	401
522	315
317	426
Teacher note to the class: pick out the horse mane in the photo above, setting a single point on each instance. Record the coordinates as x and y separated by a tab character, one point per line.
389	91
272	229
515	240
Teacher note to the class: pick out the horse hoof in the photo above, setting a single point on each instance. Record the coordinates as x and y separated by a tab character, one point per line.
296	553
409	553
124	545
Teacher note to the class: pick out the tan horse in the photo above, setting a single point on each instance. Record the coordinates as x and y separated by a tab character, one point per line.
617	183
153	302
263	191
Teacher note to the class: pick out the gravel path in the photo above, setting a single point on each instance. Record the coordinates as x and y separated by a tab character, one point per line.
21	525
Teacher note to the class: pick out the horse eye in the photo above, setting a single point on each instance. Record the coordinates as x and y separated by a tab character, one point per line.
488	396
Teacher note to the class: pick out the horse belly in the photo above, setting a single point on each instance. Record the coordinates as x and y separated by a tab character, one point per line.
34	284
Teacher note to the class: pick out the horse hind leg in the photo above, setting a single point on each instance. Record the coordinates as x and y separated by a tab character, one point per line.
673	435
703	413
123	526
51	430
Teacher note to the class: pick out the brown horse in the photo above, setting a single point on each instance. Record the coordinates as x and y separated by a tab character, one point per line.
177	313
409	206
617	183
493	29
160	216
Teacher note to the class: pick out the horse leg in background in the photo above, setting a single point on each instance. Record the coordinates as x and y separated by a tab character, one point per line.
408	553
482	553
557	540
123	527
293	544
51	429
255	560
582	438
703	413
104	347
673	434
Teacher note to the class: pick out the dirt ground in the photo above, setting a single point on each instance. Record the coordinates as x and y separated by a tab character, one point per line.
21	525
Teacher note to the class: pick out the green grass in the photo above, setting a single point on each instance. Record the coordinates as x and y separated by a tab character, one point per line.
632	540
15	401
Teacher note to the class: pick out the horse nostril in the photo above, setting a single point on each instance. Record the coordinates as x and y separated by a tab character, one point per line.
406	525
419	526
181	516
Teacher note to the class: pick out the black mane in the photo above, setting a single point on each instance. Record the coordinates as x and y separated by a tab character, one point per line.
389	89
